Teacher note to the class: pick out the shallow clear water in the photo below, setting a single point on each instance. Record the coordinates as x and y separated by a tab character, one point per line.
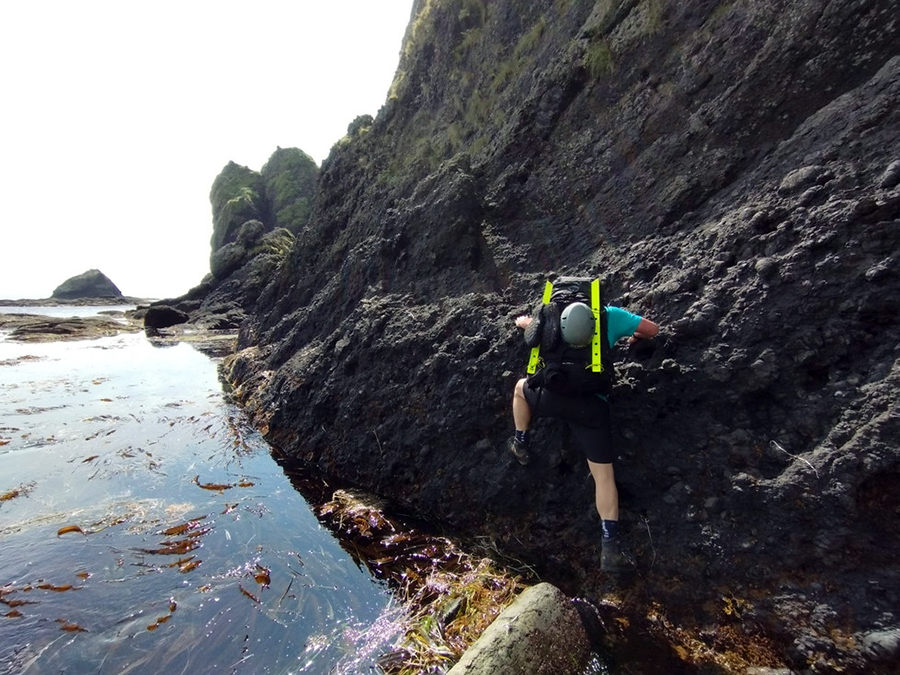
65	310
145	528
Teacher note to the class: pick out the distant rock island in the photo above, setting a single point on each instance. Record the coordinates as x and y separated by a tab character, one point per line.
90	284
88	288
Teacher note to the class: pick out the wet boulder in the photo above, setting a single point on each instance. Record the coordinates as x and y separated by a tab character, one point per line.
164	316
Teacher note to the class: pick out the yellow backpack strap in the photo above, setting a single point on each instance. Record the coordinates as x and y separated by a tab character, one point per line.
535	358
596	360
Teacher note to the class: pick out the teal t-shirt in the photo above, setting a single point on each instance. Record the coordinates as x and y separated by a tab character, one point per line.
620	323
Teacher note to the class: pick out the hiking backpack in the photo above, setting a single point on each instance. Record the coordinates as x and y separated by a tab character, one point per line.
570	370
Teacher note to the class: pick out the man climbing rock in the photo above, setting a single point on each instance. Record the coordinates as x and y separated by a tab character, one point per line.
570	376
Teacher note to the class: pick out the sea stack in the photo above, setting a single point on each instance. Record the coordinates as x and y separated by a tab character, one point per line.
90	284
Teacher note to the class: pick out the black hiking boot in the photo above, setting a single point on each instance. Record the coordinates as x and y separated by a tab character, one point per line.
520	450
612	560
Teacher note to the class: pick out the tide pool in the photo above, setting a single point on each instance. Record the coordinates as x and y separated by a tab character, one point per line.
145	527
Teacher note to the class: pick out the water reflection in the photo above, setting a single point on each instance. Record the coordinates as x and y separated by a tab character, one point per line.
145	528
66	310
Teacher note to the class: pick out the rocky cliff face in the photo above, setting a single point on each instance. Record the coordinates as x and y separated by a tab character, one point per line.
731	171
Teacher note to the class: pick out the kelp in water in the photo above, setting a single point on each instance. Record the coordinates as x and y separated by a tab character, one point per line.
451	597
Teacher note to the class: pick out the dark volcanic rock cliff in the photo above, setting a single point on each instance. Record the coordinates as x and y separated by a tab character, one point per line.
731	171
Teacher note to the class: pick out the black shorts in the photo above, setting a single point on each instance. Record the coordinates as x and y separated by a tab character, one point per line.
587	416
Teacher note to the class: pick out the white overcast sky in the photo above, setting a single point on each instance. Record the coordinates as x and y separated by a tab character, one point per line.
117	115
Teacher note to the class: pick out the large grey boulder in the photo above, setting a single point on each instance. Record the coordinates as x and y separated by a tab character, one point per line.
540	633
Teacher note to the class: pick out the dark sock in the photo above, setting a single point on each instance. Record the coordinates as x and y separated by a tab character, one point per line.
610	528
522	436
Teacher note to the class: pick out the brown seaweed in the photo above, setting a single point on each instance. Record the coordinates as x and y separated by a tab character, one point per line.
452	596
215	487
69	528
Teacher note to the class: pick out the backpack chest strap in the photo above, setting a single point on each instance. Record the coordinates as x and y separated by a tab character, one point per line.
535	358
596	355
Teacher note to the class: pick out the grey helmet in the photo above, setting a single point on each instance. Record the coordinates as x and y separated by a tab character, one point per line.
577	324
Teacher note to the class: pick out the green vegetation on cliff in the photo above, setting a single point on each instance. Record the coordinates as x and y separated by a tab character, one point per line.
277	198
236	197
289	178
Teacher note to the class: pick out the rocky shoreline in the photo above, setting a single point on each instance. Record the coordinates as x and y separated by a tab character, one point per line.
36	328
76	302
39	328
